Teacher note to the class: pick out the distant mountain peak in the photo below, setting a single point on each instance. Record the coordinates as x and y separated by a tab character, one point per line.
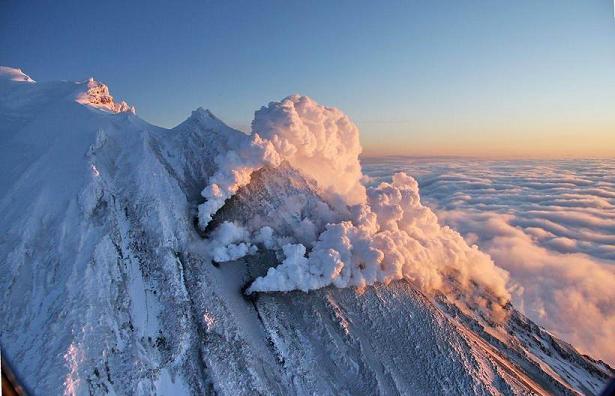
202	119
205	117
203	112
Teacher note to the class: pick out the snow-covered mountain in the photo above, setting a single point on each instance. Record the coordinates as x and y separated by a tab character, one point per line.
114	280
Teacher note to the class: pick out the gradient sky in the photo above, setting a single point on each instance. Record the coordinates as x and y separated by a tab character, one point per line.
487	78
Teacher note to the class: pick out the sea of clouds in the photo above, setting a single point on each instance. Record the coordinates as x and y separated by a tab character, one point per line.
550	224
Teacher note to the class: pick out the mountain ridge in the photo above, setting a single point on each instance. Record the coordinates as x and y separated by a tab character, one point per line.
108	287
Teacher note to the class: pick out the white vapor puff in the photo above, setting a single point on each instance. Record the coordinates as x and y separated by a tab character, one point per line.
230	241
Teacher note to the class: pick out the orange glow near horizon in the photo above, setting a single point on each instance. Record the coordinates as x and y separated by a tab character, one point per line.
571	141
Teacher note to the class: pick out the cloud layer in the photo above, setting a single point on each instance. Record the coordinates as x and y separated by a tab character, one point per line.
550	224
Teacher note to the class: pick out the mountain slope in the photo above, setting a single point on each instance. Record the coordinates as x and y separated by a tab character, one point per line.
108	287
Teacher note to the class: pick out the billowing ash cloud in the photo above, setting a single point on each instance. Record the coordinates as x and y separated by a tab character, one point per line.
391	237
322	142
550	224
384	232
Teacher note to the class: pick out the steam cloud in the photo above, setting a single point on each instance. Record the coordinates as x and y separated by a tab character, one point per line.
322	142
234	170
230	241
385	233
391	237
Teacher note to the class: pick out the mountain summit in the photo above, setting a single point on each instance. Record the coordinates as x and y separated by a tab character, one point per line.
12	74
142	260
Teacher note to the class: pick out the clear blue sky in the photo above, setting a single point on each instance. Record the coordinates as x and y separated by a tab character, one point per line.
418	77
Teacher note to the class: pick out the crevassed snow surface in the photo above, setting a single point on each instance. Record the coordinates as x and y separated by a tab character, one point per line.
109	285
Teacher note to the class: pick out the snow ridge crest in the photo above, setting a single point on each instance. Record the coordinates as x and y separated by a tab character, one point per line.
14	74
98	96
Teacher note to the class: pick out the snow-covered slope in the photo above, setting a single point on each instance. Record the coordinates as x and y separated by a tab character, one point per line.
108	285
